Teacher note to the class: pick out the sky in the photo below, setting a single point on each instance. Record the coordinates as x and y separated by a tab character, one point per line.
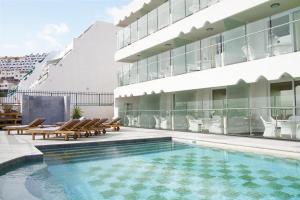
37	26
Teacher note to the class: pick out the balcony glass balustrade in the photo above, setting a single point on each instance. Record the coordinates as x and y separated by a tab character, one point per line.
261	109
252	41
164	15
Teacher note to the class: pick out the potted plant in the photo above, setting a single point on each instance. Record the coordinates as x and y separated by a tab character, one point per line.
77	112
7	108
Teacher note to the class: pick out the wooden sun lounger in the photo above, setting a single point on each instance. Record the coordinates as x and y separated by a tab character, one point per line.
80	126
99	127
88	128
114	124
62	130
21	128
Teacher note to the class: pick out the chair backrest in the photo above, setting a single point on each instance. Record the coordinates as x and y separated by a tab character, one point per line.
264	121
273	120
114	121
91	123
36	122
69	125
156	118
101	121
81	124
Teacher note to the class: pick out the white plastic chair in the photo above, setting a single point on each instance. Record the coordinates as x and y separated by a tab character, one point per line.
298	132
287	128
194	124
216	125
270	128
163	123
157	122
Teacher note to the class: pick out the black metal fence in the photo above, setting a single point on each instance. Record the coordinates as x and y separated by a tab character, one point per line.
77	98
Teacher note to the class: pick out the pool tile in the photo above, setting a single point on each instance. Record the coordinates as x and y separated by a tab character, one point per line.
132	196
138	187
281	195
182	191
250	184
109	193
156	197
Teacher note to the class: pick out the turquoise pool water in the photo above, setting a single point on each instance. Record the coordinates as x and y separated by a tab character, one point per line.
152	170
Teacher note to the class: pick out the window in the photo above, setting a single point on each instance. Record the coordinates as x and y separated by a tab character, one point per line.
152	68
133	73
134	31
297	30
257	39
164	64
178	60
152	21
183	102
142	70
192	6
127	36
193	56
120	39
219	97
282	97
125	74
281	35
142	27
211	52
177	10
207	3
297	91
234	43
163	15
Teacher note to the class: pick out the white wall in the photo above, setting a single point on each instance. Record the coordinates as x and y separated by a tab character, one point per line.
88	67
97	111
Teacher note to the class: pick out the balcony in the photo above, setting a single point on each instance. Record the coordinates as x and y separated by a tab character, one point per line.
197	26
159	18
262	109
251	42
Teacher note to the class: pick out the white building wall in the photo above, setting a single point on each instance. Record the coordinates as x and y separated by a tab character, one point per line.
88	67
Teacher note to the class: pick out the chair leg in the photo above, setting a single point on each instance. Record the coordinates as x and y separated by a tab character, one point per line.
66	137
44	136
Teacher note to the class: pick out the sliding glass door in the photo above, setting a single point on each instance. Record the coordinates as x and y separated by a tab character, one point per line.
282	100
281	36
238	118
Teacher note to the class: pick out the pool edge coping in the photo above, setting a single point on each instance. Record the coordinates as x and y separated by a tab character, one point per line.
38	155
283	154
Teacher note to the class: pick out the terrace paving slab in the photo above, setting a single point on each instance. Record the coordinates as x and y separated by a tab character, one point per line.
22	146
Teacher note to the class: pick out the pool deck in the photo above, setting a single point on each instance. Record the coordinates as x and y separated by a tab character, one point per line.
17	148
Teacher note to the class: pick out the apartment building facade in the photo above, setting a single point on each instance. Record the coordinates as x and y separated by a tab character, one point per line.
211	66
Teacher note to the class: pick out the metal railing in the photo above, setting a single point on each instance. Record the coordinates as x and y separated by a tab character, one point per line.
77	98
268	122
251	46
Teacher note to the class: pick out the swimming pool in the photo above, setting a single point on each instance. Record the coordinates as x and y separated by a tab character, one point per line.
152	170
